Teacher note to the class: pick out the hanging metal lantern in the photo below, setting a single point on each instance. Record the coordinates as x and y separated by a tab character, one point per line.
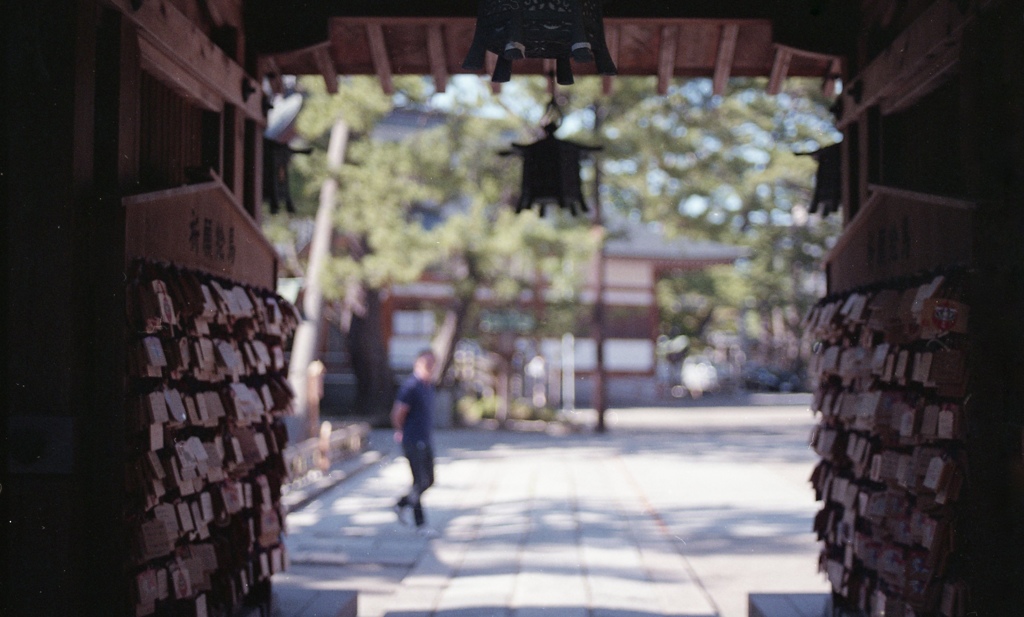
554	29
551	169
277	153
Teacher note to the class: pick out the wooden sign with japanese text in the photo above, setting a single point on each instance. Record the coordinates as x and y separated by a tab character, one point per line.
900	233
202	227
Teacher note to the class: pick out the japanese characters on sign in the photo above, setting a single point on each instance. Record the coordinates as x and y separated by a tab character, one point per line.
211	238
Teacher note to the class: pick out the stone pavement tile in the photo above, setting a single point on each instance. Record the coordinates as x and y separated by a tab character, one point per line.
669	576
790	605
476	591
416	598
481	560
430	570
554	610
577	523
615	592
541	589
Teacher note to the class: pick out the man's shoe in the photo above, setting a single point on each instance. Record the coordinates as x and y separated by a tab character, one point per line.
428	532
402	512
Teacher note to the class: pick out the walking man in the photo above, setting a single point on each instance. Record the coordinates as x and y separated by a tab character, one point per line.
413	418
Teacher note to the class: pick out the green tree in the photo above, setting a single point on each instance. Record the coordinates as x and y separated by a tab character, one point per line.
387	191
728	168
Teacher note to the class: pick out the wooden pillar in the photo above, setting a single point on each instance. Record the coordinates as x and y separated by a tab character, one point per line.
61	535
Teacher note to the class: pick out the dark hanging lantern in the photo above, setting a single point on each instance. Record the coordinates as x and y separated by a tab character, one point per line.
276	189
277	153
555	29
551	169
828	181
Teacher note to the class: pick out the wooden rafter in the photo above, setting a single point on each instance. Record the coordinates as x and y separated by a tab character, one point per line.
379	55
273	74
780	68
667	57
325	65
723	61
611	37
436	56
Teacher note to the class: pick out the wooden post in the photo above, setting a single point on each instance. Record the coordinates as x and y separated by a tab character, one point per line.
307	335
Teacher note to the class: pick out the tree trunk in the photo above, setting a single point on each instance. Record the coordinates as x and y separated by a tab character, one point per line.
449	336
375	384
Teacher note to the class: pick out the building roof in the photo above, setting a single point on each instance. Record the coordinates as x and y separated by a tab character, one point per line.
637	240
404	122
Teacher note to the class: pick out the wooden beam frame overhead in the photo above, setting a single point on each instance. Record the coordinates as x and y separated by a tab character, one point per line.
379	55
436	56
431	45
667	57
780	68
273	74
325	65
723	61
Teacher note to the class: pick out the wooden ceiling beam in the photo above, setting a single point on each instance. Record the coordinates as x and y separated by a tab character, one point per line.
611	38
667	57
379	55
272	72
780	68
325	66
723	61
436	57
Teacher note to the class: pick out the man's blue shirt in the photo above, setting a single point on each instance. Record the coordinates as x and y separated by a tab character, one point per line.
419	396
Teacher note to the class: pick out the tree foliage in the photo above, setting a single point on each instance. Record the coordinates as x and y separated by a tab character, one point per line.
727	168
733	169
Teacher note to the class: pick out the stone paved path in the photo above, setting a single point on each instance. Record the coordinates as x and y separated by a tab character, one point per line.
674	512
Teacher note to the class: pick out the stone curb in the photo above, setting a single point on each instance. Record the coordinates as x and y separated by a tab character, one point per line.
298	498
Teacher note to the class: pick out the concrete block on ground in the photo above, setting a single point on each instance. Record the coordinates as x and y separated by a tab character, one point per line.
790	605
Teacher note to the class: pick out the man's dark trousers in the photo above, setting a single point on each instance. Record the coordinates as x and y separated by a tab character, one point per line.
421	462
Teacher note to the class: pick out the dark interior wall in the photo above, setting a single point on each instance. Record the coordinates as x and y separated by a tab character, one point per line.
60	530
40	488
992	151
920	148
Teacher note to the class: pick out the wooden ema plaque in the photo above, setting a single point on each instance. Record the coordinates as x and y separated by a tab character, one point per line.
899	233
202	227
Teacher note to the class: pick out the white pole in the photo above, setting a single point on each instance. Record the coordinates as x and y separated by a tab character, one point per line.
568	372
307	335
